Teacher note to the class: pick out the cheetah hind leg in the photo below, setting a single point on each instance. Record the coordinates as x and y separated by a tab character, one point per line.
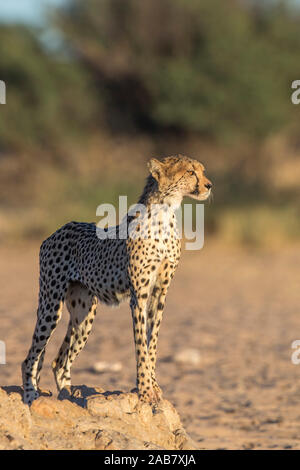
82	305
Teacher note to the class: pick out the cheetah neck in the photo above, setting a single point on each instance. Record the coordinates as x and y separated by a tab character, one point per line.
152	195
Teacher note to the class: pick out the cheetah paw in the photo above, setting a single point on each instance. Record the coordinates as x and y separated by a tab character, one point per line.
150	397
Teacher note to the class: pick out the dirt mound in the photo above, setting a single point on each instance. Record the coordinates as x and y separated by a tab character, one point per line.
88	418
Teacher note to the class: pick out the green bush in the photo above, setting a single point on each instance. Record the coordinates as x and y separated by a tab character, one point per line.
48	99
221	69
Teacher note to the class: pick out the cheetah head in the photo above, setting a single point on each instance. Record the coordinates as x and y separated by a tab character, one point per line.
180	176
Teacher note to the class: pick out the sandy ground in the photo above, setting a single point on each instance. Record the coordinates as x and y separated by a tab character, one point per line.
239	309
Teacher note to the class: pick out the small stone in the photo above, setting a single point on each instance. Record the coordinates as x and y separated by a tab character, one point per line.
188	356
102	366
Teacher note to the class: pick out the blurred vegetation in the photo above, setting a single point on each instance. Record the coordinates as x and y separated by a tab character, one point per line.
133	79
49	100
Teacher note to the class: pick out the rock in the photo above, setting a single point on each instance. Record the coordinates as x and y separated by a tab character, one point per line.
89	418
113	440
52	409
15	419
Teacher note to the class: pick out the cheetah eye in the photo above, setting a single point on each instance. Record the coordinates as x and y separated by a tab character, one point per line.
191	172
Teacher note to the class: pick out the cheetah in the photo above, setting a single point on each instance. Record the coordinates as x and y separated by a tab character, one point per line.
82	269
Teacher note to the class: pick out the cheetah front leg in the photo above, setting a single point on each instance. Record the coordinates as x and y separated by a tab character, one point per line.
140	296
154	318
144	383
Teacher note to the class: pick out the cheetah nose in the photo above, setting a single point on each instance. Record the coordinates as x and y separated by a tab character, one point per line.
208	185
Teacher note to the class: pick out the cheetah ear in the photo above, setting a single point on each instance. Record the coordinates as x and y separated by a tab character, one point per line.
156	168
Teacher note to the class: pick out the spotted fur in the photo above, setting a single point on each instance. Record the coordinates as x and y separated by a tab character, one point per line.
78	268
